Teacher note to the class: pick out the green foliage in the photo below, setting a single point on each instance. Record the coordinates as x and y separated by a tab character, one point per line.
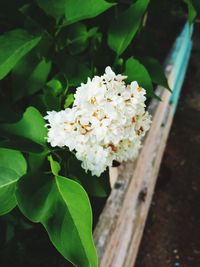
30	75
13	46
69	100
62	206
31	126
125	26
156	71
73	11
47	48
12	168
192	13
137	72
95	186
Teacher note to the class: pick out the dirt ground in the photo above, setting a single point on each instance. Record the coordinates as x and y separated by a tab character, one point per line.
172	233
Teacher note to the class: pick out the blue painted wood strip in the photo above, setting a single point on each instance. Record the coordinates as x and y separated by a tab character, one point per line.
179	58
180	78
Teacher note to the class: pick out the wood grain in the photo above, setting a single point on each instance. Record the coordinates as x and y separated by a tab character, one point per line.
119	230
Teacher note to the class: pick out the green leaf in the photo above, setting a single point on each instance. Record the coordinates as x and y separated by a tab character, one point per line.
95	186
63	207
55	166
50	99
192	13
47	100
125	26
13	46
73	11
54	8
17	142
137	72
78	74
75	69
77	38
12	167
31	126
38	76
36	160
56	86
69	100
84	9
156	71
29	75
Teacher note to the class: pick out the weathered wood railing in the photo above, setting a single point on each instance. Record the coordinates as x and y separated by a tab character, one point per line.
121	224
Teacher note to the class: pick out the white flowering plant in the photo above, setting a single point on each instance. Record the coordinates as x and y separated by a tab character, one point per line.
66	116
106	122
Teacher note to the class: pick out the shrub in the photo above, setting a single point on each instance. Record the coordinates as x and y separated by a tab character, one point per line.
47	48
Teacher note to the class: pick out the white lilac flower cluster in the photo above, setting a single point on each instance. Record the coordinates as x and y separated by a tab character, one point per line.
106	123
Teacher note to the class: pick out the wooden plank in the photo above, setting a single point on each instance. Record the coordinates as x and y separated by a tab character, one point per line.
111	223
123	234
142	209
120	227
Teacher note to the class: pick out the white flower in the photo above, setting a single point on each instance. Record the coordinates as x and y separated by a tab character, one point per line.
106	123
